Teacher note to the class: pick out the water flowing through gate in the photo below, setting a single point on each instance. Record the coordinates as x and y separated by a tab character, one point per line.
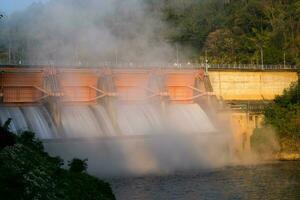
102	102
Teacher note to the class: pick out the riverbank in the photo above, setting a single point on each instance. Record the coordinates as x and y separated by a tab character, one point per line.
289	149
287	156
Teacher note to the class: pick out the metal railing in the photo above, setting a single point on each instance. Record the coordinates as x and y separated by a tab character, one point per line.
162	66
252	66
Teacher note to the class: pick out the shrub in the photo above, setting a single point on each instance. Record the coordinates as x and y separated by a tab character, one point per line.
27	172
7	138
77	165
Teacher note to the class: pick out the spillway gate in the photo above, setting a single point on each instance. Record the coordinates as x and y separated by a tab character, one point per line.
56	86
22	85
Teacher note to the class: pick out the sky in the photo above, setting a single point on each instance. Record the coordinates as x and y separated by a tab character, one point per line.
9	6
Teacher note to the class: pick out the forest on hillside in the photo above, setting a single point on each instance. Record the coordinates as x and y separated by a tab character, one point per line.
224	31
238	31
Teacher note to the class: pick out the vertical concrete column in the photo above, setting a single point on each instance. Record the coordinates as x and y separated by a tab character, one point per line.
157	84
106	83
164	98
53	103
209	103
55	110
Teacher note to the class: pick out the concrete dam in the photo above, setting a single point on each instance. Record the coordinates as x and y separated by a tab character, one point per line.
66	102
76	111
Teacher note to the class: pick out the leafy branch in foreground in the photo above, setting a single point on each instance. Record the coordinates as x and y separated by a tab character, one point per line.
27	172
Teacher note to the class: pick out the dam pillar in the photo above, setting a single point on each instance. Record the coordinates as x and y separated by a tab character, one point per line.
106	83
51	84
54	108
158	85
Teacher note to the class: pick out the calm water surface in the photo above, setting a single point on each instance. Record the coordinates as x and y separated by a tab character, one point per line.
275	181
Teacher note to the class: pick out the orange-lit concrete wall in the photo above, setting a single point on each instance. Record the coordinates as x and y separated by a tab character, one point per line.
134	84
131	84
242	125
77	86
242	85
21	87
177	86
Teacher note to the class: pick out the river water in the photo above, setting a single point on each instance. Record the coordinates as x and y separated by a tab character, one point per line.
272	181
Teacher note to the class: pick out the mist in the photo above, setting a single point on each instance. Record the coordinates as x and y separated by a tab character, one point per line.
88	32
140	155
150	142
99	32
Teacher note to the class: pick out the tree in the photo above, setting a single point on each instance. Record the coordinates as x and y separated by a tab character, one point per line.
77	165
7	138
28	172
283	116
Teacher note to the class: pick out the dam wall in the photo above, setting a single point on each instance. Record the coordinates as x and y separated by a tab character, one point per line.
247	92
93	102
250	85
21	84
119	99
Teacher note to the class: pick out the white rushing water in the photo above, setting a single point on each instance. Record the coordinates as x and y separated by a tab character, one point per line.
80	122
104	120
40	122
18	122
177	118
32	118
139	119
188	118
94	121
177	137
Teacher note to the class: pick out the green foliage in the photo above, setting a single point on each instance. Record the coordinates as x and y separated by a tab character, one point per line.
283	115
28	138
7	138
237	31
290	97
77	165
286	120
82	186
27	172
264	140
229	31
6	124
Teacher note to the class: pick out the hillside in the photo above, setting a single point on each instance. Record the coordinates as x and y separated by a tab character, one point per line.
237	31
225	31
